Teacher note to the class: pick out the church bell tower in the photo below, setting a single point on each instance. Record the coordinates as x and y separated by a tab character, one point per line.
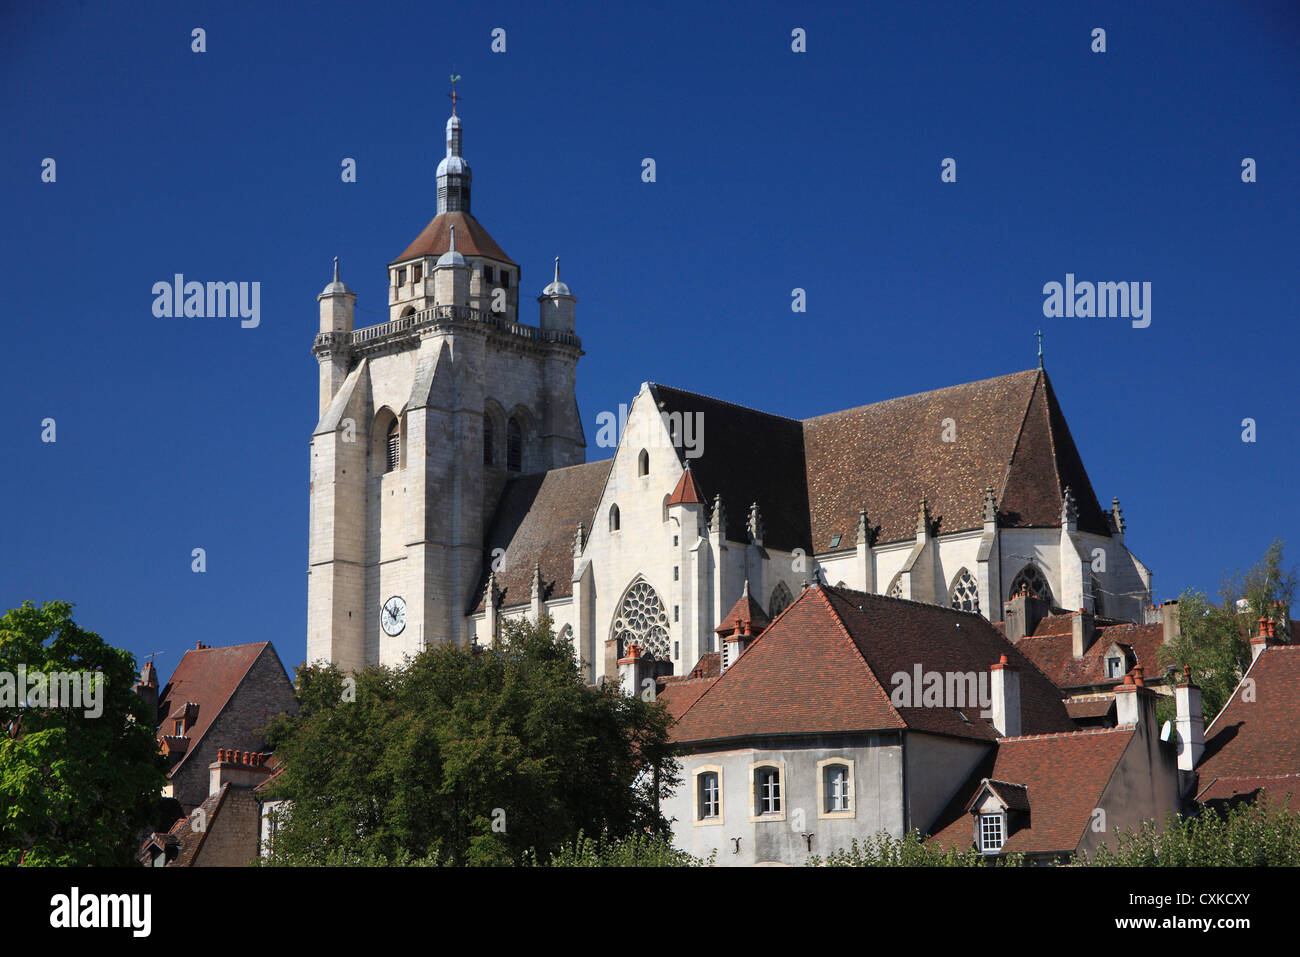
423	419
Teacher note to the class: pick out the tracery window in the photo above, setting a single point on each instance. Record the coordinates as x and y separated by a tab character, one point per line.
896	587
1032	576
643	619
964	595
780	600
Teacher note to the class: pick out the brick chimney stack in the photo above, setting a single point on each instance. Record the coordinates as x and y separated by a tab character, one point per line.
634	668
1023	613
1260	641
239	769
1082	630
1169	618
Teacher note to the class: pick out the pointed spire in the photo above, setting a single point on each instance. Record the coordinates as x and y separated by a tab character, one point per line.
1039	335
718	522
923	518
755	524
990	506
490	592
1116	516
577	541
537	580
864	530
687	491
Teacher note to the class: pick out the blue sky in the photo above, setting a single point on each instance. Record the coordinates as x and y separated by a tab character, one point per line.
775	170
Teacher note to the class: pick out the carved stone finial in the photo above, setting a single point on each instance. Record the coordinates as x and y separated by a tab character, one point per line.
755	524
990	506
718	522
1069	507
1116	515
577	541
864	530
923	518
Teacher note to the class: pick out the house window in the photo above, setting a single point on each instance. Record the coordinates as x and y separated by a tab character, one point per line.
514	446
179	727
1114	667
489	274
416	272
991	833
487	441
505	279
643	463
708	796
401	276
613	518
767	791
836	785
394	447
835	542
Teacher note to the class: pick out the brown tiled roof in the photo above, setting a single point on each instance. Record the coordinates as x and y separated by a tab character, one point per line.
1014	796
679	695
206	677
825	665
810	478
885	457
471	239
745	609
1260	736
1054	654
190	839
1064	777
687	491
1278	787
1091	706
534	523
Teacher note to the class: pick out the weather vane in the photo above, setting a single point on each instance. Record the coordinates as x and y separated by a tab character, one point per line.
453	94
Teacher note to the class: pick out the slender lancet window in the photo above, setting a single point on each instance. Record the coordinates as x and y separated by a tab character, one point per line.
394	447
514	446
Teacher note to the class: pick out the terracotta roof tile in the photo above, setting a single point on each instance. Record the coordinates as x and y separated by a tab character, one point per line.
1279	787
1260	736
1054	654
206	677
1064	777
825	665
745	609
471	239
687	491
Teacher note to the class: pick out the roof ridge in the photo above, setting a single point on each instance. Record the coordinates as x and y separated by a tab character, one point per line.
1069	734
917	395
714	398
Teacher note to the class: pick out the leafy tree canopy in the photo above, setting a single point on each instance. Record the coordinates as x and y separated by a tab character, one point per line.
467	757
77	784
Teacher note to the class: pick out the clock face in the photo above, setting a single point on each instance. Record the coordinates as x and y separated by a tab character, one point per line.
392	618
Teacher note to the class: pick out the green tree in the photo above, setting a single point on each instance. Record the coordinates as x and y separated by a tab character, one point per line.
76	789
1214	639
638	850
468	757
1257	834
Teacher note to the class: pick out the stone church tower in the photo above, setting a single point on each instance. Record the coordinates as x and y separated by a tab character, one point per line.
422	420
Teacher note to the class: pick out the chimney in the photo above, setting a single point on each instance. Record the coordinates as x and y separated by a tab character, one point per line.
1004	692
1082	630
1169	616
1135	703
634	669
147	689
1260	641
734	644
1190	722
1023	612
239	769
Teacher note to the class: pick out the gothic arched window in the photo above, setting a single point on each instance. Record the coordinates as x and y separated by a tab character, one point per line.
489	458
964	594
394	459
613	518
780	600
514	446
643	463
642	619
1031	576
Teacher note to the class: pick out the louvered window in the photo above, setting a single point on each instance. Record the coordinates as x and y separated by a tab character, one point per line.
514	446
394	447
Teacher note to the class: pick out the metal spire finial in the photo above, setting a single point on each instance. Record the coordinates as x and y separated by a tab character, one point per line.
557	270
1039	336
336	268
455	97
452	249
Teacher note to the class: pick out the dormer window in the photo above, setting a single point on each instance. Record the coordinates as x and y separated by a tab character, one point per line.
992	832
1114	667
